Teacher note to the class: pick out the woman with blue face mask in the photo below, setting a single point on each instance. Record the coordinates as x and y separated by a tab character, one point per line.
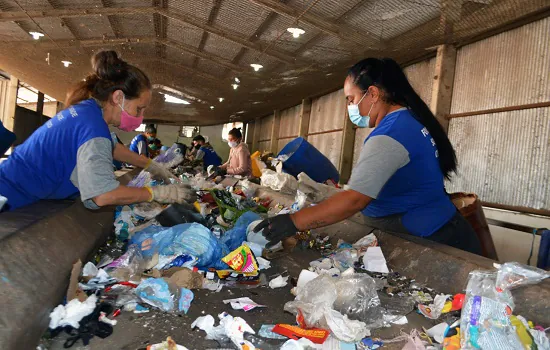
398	181
239	162
72	154
140	143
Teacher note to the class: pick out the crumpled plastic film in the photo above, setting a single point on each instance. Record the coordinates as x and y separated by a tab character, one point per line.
285	183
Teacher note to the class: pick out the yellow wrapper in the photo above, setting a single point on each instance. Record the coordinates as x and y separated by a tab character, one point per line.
241	260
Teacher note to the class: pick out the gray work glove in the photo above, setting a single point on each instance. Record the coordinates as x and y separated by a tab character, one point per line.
160	173
177	193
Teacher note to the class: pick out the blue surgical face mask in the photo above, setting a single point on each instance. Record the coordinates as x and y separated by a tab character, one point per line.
356	117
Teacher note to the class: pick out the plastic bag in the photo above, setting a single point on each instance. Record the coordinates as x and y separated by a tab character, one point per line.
159	293
299	201
237	235
485	321
314	191
249	188
323	300
513	274
171	158
147	210
285	183
128	265
192	239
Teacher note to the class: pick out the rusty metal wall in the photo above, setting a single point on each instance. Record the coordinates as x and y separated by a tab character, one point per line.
328	113
509	69
421	76
265	128
504	157
290	124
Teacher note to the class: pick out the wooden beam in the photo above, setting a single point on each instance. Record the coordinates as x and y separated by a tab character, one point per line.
40	106
256	136
341	31
9	16
207	56
274	145
211	18
10	103
83	42
442	90
305	113
227	34
346	152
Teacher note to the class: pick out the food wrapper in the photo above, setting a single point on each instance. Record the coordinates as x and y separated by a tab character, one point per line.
242	260
316	335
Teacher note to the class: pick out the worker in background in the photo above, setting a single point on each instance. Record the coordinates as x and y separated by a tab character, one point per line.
117	94
154	148
398	181
191	152
140	143
206	153
239	162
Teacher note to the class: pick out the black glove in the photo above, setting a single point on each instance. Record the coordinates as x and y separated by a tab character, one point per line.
219	171
277	228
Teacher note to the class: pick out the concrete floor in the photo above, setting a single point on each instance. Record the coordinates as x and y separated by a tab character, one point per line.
136	331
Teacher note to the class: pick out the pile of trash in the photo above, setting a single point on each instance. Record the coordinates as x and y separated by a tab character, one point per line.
169	253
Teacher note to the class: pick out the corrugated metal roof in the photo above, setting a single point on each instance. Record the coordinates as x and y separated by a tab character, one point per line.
504	157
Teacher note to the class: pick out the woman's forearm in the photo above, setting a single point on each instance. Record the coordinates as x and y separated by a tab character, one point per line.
330	211
123	195
123	154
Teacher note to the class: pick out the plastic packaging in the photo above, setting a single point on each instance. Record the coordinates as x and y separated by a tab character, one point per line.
170	158
249	188
512	274
299	201
315	192
159	293
230	328
242	260
285	183
322	301
485	321
148	210
128	265
192	239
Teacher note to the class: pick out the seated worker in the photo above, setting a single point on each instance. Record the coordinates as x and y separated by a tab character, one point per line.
154	148
140	143
191	152
206	153
239	162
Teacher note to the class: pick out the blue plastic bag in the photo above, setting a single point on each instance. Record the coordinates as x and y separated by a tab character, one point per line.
192	239
235	237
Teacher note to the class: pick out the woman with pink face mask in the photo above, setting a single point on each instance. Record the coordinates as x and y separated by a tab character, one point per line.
72	153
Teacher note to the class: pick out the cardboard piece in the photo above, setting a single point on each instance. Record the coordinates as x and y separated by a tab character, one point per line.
186	278
73	292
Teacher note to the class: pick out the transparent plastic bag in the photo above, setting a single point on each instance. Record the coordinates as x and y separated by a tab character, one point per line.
299	201
249	188
285	183
128	266
513	274
171	158
159	293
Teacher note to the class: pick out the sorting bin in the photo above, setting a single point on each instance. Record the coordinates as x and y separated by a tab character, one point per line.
303	157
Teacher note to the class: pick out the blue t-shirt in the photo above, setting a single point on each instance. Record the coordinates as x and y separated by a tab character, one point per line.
41	167
135	143
210	157
416	188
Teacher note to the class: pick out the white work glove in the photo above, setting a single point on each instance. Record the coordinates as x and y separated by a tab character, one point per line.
159	172
168	194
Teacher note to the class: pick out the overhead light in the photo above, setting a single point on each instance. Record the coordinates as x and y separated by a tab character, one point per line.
235	86
220	99
296	31
172	99
237	80
36	35
256	66
66	63
211	107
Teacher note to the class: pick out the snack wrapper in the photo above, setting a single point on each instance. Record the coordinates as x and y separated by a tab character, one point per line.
242	260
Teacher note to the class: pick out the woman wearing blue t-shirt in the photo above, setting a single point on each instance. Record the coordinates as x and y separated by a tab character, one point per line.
398	181
73	152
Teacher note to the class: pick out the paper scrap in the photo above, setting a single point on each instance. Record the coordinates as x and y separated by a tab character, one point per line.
244	303
374	260
437	332
278	282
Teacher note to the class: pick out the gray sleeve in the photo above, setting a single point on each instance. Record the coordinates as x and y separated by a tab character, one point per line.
141	147
380	158
200	155
94	173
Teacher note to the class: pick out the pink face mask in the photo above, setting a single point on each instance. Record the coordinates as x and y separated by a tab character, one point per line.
127	121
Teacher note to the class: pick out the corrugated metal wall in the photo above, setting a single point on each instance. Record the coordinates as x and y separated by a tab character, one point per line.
420	76
504	157
327	114
290	124
266	124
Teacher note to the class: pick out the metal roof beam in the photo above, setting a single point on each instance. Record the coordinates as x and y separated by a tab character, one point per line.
211	18
341	31
8	16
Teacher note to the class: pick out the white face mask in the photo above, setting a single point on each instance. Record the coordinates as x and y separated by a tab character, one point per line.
233	144
356	117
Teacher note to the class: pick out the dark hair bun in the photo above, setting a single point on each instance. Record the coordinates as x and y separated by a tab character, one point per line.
108	66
